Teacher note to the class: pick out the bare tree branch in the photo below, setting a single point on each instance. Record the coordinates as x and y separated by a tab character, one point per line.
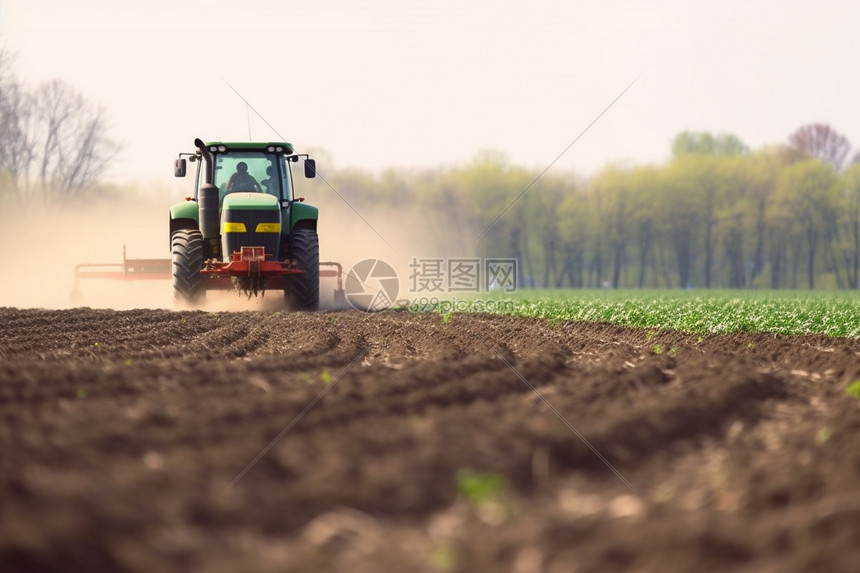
822	142
53	142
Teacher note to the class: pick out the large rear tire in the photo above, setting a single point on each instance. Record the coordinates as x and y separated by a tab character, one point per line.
302	291
187	251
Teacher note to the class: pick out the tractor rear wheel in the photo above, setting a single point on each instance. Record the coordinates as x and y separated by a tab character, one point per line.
187	250
302	291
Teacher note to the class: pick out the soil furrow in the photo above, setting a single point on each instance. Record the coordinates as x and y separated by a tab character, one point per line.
153	440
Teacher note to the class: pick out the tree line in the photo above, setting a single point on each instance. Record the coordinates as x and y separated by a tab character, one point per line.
715	215
53	141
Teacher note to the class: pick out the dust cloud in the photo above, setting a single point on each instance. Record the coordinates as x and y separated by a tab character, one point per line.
42	246
396	237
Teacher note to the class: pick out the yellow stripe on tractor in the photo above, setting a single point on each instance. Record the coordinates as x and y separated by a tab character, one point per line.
268	228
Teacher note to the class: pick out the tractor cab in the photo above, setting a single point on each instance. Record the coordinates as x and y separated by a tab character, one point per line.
248	167
252	171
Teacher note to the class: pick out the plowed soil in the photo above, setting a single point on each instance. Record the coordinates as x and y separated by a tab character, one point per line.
167	441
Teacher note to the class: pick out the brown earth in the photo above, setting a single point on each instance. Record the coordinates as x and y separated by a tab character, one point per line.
153	440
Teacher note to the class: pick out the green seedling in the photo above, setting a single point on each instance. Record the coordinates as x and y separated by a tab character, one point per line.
487	494
720	477
444	557
325	377
664	493
853	389
480	488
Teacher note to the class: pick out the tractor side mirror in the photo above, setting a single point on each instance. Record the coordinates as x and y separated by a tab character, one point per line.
310	168
179	167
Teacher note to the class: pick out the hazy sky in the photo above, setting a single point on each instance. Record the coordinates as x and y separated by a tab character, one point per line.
398	83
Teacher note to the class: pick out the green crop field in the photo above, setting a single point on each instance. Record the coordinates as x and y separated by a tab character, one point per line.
784	312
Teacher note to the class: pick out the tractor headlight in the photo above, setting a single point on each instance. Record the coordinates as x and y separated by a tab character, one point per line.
279	149
268	228
222	148
270	149
230	227
214	149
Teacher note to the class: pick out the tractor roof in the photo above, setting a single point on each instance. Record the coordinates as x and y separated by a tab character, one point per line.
252	146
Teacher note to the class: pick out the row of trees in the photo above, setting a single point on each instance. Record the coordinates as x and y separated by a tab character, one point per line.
53	142
717	215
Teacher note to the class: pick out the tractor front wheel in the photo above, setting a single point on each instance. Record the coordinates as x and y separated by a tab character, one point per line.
302	291
187	251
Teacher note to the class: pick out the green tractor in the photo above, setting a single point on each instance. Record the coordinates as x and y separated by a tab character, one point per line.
245	228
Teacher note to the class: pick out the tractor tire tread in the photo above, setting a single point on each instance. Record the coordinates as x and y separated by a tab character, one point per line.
187	262
303	290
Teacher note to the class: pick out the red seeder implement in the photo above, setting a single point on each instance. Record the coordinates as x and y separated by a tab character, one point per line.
248	262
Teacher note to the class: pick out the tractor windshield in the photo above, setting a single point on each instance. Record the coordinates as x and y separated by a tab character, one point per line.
251	171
